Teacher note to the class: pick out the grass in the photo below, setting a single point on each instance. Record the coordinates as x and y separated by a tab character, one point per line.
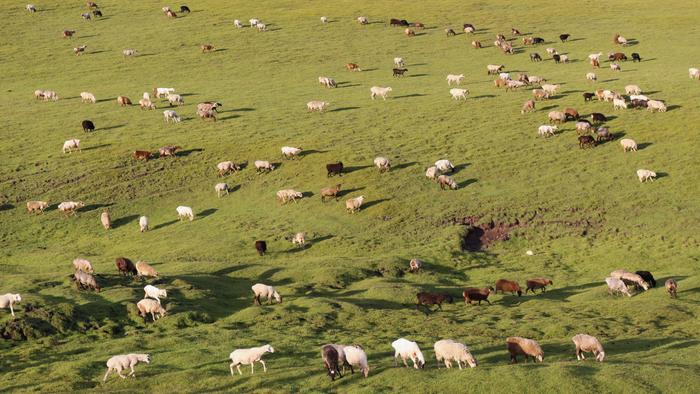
346	287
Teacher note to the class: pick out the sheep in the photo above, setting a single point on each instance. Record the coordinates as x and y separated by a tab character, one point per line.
459	94
88	126
399	62
356	356
382	163
595	56
286	195
619	104
153	307
163	92
639	97
85	280
36	206
552	51
540	94
550	88
220	189
444	165
474	294
290	152
557	117
263	166
123	101
353	205
617	286
330	192
170	115
507	285
148	104
618	39
269	292
534	79
591	77
633	89
671	287
546	130
446	181
331	361
492	69
645	175
319	106
124	361
379	91
431	172
253	22
454	78
154	292
537	283
87	97
352	67
504	76
655	105
694	73
226	167
128	52
184	212
408	349
615	67
526	347
261	26
145	270
327	82
447	350
69	145
143	223
175	99
49	95
588	343
299	239
125	266
31	8
79	50
238	24
362	20
415	265
630	278
8	300
529	106
249	356
476	44
70	207
105	220
324	20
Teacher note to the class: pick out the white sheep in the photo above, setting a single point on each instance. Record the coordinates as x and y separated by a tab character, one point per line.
146	104
382	163
459	94
504	76
628	144
591	77
253	22
362	20
639	97
656	105
399	62
379	91
444	165
269	292
83	265
147	305
583	126
415	265
70	207
552	51
449	350
129	52
645	175
615	67
290	152
619	104
324	20
184	212
547	130
299	239
550	89
356	356
143	223
564	58
50	95
238	23
595	56
31	8
69	145
263	165
9	299
633	89
155	293
694	73
227	166
261	26
170	115
494	68
319	106
445	180
221	188
87	97
163	92
175	99
124	361
588	343
408	349
353	205
249	356
454	78
431	172
617	286
286	195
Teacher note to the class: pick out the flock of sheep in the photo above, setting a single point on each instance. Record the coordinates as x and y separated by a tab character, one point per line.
336	356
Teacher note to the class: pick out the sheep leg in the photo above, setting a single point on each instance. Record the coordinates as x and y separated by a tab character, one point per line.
106	375
120	375
12	311
231	368
252	368
132	373
448	364
239	369
404	361
264	366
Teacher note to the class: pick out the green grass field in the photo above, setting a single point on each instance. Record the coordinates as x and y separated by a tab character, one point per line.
583	212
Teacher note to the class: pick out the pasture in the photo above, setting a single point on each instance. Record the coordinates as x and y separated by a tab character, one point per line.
583	212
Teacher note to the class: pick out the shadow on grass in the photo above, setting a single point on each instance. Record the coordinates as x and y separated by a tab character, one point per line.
466	183
122	221
374	202
111	127
6	207
92	207
404	165
410	95
343	109
165	224
206	212
187	152
97	147
348	170
343	193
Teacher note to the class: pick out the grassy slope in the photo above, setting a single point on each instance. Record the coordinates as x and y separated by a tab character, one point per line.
264	80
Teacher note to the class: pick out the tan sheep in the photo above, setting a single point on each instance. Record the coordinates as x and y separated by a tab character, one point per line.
145	270
153	307
587	343
36	206
106	220
526	347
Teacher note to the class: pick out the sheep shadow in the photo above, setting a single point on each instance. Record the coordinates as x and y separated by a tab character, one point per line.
349	85
206	212
374	202
111	127
343	193
643	146
305	153
660	175
220	50
307	194
230	117
417	75
405	165
245	109
124	220
107	99
92	207
609	80
320	239
572	91
410	95
459	167
165	224
6	207
348	170
673	107
548	107
466	183
343	109
484	96
185	153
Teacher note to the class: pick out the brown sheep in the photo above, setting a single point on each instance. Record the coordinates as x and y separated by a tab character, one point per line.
145	270
524	346
474	294
207	48
123	101
141	155
476	44
504	285
529	106
352	67
671	287
537	283
330	192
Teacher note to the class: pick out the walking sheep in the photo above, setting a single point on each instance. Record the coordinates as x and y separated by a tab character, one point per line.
83	265
526	347
153	307
124	361
671	287
353	205
408	349
155	293
587	343
356	356
537	283
261	290
9	299
143	223
249	356
145	270
106	220
449	350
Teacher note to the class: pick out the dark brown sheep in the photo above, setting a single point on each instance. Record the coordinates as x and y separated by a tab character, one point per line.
504	285
261	247
429	299
125	266
571	113
331	361
474	294
537	283
334	169
141	155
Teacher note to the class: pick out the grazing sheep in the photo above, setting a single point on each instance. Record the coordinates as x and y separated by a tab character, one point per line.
655	105
563	58
415	265
476	45
529	106
144	270
382	163
184	212
330	192
550	88
694	73
356	356
238	24
261	247
87	97
446	181
153	307
324	20
141	155
615	67
535	57
105	220
269	292
409	32
552	51
352	67
8	300
587	343
492	69
124	361
145	103
70	207
129	52
299	239
220	189
168	151
633	89
619	104
537	283
48	95
353	205
290	152
671	287
504	285
450	32
79	50
83	280
175	99
88	126
474	294
362	20
286	195
444	165
431	172
31	8
263	166
36	206
226	167
399	62
206	48
617	286
69	145
408	349
645	175
253	22
526	347
334	169
123	101
143	223
591	77
546	130
618	39
331	361
319	106
379	91
204	115
603	134
639	97
249	356
261	26
125	266
557	117
155	293
583	126
540	94
162	92
454	78
630	278
448	350
459	94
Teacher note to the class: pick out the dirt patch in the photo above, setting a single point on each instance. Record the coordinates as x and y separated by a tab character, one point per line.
479	237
